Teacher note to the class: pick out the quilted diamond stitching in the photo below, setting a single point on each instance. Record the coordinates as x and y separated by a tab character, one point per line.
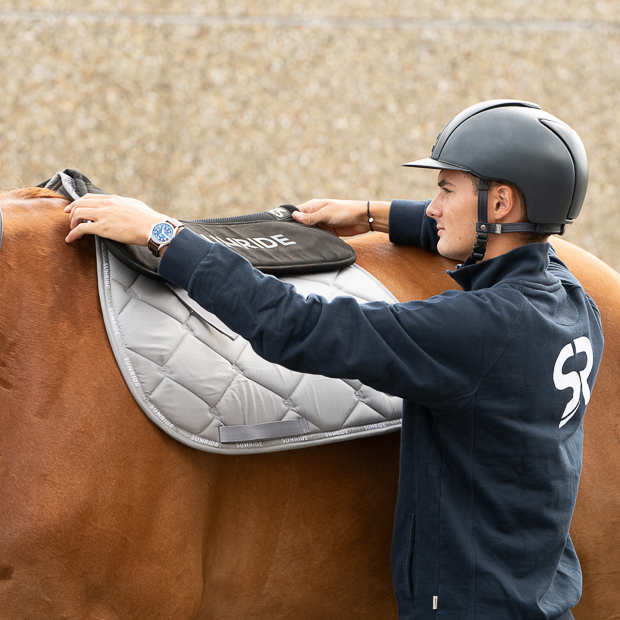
349	404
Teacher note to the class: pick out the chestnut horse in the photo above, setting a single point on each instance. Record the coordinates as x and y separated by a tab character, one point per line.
104	516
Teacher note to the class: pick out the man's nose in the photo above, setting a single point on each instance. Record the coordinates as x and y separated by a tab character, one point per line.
432	209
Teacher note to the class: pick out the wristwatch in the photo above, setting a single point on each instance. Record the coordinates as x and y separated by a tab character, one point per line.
162	234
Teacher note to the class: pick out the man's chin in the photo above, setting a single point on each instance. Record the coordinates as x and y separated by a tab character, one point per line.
450	253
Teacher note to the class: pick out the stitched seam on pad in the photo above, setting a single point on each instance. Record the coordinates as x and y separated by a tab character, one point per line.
148	359
284	396
210	417
130	297
172	380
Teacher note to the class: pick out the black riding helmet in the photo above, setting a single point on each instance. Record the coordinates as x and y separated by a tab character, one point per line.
516	141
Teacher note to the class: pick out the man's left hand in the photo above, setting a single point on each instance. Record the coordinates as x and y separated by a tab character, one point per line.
126	220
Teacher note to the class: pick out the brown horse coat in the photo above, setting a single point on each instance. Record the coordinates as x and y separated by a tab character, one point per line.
102	515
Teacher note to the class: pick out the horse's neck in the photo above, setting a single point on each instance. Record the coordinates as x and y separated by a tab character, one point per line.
408	272
36	265
49	307
34	231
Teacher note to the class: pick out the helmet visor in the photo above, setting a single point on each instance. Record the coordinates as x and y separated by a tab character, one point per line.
429	162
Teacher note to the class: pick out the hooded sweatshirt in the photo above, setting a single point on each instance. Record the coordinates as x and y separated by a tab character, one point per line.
495	380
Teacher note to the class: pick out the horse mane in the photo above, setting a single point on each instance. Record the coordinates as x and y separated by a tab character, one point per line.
29	193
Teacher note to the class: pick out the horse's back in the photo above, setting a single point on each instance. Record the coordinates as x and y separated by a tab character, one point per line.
407	271
103	515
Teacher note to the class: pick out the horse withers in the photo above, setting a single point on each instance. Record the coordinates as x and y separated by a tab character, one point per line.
104	516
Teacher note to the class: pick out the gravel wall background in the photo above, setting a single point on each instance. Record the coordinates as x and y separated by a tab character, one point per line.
207	109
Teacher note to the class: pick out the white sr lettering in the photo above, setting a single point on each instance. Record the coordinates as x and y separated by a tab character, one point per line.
578	382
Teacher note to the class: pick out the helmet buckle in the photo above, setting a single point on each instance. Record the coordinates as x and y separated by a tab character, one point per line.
480	246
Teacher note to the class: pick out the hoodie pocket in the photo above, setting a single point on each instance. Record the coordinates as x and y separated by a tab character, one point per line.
410	545
402	555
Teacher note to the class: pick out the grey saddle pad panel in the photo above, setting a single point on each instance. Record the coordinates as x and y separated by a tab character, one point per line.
206	387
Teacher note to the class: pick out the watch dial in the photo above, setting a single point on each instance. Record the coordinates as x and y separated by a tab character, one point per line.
162	232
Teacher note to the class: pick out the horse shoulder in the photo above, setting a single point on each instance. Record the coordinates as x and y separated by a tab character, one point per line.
408	272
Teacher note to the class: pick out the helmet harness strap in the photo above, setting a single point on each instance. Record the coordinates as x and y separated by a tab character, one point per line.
483	228
482	235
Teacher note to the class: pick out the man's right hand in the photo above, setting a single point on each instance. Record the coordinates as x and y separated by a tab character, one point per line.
344	218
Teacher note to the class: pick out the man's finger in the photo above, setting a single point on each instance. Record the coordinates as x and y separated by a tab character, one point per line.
81	215
89	200
85	228
312	205
304	218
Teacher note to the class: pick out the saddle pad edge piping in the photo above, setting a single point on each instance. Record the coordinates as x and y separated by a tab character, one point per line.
132	382
112	328
302	441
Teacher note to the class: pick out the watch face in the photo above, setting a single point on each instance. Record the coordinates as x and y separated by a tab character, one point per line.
162	232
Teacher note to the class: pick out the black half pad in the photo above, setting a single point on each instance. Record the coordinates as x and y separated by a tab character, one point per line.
271	240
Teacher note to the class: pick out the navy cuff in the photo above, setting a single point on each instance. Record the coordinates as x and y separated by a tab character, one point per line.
406	217
185	252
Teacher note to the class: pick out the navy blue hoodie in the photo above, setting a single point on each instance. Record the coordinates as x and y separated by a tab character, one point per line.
495	380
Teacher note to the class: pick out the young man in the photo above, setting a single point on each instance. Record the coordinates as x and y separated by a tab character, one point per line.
495	378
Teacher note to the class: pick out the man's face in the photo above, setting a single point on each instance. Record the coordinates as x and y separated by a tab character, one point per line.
455	209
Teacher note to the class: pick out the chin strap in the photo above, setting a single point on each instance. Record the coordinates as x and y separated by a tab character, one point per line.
483	228
482	232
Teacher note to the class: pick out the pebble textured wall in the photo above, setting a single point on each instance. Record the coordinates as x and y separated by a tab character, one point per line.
216	108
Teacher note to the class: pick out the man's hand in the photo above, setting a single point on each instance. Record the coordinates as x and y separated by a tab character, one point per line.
344	218
114	217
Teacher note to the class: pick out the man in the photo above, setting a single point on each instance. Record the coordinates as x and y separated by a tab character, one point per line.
495	378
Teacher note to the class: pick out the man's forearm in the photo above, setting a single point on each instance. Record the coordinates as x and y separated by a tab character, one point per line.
380	215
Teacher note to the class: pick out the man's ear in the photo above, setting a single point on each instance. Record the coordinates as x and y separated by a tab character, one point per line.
505	204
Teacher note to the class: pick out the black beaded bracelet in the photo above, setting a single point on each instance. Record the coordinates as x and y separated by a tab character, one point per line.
370	219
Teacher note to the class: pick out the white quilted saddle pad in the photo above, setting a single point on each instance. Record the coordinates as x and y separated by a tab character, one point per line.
205	386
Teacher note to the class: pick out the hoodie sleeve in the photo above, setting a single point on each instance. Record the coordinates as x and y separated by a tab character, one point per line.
409	224
412	350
